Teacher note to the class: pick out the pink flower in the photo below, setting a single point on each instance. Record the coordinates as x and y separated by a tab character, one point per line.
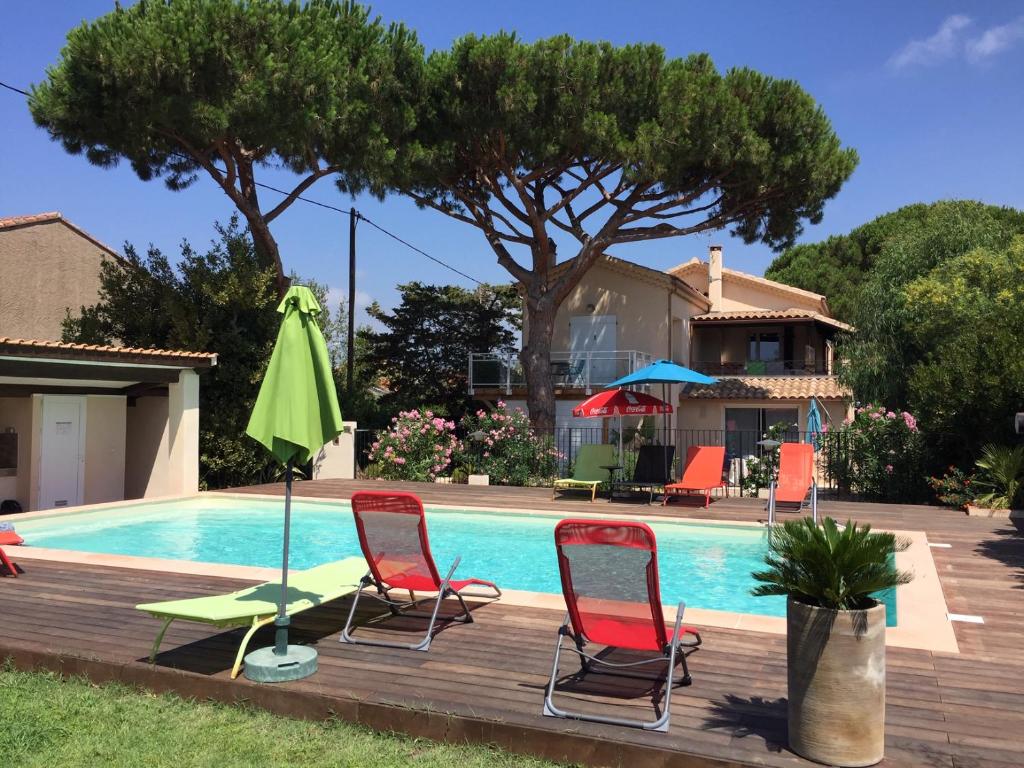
501	404
399	460
910	421
888	469
890	415
876	415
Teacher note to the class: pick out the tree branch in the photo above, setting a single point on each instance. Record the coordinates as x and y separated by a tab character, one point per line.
299	188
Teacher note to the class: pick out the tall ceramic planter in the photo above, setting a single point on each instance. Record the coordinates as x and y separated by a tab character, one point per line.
836	663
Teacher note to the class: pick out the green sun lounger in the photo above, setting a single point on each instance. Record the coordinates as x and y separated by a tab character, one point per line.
588	470
256	606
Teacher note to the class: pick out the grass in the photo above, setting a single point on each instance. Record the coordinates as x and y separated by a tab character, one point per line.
47	721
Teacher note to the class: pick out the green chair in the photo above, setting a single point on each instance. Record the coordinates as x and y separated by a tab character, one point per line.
257	606
589	471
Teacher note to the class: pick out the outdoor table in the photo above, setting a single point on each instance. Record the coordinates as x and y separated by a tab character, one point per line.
612	469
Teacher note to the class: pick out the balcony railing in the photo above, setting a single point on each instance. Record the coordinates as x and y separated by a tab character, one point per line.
764	368
578	370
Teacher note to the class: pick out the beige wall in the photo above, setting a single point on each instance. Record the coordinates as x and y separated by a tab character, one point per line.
46	268
104	448
183	434
739	295
146	451
16	412
645	311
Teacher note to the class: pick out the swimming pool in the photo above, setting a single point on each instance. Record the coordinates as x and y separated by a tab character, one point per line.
707	565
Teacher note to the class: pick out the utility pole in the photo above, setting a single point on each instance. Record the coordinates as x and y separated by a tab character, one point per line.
350	360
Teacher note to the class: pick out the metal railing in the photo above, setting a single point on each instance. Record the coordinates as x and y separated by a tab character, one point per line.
579	370
763	368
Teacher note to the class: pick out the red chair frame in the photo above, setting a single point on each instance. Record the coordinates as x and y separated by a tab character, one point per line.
653	637
400	503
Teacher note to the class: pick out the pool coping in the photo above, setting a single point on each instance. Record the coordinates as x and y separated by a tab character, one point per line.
921	614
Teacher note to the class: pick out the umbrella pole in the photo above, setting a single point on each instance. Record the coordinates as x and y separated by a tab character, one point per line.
282	620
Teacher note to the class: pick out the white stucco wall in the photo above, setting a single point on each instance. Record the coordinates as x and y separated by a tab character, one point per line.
104	448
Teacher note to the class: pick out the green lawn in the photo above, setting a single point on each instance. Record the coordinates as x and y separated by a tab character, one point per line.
45	721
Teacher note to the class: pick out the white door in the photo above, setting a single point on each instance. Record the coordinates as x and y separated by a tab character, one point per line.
62	452
592	339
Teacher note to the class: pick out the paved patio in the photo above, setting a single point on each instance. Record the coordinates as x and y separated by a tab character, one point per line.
484	681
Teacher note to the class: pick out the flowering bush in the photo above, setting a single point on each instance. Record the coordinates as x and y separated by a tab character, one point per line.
956	488
509	450
877	454
761	470
417	446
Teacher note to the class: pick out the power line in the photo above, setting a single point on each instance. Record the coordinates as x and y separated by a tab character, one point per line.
347	211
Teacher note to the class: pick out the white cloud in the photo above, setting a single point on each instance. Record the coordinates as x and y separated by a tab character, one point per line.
336	296
995	40
944	44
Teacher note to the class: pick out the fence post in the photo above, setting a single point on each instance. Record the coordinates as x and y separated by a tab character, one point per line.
470	372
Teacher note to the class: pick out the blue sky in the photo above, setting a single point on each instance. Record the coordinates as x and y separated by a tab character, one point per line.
927	92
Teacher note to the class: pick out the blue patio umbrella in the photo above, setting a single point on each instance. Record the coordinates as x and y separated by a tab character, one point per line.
663	372
814	424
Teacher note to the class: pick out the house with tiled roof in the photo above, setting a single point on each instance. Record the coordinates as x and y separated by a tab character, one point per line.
771	346
83	423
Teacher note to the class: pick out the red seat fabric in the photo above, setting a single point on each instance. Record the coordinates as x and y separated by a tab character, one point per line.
796	472
609	572
10	538
392	528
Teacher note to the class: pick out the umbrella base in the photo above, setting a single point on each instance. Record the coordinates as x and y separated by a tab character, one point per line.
265	666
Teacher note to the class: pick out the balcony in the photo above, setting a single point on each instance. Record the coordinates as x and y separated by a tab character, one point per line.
807	367
585	371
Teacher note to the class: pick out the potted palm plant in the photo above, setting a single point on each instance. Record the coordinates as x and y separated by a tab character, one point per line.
1001	470
835	634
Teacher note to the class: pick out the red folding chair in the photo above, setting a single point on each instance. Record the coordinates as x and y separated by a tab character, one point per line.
9	537
609	573
796	486
392	530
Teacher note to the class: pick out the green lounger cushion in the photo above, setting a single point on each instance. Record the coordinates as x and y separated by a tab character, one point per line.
306	589
587	470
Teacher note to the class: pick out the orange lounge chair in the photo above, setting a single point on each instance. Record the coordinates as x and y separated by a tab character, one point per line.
795	481
703	472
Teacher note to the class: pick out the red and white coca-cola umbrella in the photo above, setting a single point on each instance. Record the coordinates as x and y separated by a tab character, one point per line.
620	402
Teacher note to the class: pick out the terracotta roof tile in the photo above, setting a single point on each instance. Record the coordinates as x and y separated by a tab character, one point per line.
41	348
772	314
36	218
770	388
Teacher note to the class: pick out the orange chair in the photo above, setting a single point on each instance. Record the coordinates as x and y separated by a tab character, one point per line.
703	472
795	481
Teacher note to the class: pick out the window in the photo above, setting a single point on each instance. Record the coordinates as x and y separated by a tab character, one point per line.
766	347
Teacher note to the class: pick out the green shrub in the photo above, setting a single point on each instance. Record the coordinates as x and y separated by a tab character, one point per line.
1002	470
417	446
955	489
509	450
828	567
879	455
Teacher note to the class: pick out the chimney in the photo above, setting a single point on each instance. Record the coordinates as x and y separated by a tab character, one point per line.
715	277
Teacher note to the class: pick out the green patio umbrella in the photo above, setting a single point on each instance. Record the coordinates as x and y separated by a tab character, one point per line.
296	412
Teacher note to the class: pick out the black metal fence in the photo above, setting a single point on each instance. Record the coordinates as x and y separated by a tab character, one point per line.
748	463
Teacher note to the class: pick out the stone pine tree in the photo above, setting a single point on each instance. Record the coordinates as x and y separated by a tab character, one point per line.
601	145
182	88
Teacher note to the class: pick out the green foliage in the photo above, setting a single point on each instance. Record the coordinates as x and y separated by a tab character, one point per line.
510	451
828	567
882	356
1002	469
418	445
225	87
47	721
955	488
963	319
219	301
878	455
421	352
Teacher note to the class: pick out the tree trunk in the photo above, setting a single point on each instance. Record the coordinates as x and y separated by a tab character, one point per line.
266	249
536	360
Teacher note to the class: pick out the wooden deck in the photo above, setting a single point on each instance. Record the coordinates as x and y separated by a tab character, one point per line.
483	682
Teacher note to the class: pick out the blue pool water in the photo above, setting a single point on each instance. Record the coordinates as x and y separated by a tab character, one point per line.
708	566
